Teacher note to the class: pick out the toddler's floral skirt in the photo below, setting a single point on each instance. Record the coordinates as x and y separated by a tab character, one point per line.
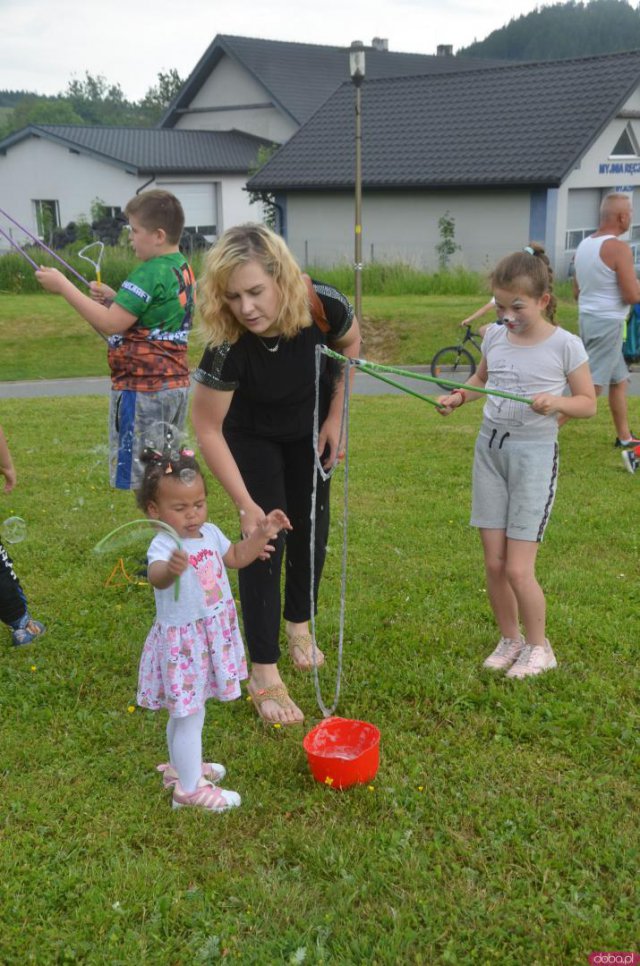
181	667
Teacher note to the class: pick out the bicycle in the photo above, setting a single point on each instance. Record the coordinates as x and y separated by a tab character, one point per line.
456	362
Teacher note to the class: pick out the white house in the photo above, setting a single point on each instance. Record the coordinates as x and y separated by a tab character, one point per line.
511	153
242	94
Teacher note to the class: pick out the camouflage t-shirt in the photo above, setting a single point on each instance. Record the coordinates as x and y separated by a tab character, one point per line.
152	354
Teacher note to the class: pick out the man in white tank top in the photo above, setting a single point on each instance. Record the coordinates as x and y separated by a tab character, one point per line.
605	284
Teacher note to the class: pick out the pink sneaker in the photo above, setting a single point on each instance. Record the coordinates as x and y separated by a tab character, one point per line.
206	796
533	660
213	772
507	651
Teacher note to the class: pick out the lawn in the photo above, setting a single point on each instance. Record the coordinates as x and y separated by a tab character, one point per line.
44	339
502	825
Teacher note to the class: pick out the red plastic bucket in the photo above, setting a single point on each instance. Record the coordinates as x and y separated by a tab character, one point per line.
342	751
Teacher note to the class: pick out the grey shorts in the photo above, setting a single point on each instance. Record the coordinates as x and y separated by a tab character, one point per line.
131	414
603	342
514	485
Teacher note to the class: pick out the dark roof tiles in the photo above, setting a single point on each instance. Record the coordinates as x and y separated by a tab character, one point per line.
153	150
508	125
300	77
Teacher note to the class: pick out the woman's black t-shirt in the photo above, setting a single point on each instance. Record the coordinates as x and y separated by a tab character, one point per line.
274	392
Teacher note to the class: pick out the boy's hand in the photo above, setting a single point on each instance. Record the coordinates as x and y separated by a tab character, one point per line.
51	279
100	292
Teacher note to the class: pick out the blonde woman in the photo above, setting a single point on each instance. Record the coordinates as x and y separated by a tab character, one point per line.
253	416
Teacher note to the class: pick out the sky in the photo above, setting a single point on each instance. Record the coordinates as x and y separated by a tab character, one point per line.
44	45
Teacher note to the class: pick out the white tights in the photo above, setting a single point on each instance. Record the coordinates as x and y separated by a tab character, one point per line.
184	738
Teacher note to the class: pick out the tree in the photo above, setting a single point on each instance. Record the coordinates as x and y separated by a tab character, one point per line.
447	246
157	99
264	198
99	102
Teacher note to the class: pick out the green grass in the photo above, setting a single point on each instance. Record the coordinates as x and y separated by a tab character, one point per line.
502	826
45	339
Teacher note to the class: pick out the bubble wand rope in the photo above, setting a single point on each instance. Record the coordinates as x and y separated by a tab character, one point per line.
19	250
39	242
399	385
156	524
373	368
318	470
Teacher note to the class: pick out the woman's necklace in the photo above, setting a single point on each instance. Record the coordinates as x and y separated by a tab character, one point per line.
271	348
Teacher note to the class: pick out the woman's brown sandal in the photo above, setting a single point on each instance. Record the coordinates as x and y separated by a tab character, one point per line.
277	693
301	646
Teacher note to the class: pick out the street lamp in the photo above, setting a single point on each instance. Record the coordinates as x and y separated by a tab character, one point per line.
356	69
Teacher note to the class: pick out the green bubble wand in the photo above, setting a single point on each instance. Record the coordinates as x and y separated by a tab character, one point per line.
375	369
104	545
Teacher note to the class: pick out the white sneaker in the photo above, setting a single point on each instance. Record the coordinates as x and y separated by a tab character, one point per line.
533	660
507	651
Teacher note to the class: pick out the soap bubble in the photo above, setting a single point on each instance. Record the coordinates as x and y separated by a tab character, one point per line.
188	477
162	435
13	530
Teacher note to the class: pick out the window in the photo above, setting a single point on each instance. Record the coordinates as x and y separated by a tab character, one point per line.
47	218
575	236
626	146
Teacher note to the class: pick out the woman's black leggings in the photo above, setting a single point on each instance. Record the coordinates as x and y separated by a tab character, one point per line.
280	476
13	603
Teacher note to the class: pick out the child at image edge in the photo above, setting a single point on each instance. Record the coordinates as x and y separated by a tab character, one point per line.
147	323
516	455
194	650
13	604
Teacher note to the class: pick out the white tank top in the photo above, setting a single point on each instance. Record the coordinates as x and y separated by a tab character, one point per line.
598	284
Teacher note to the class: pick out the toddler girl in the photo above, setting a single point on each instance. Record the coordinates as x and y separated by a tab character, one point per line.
194	650
516	456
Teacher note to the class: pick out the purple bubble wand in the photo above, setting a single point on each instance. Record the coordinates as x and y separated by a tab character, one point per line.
39	242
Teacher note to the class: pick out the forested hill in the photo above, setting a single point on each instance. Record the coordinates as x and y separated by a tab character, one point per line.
572	29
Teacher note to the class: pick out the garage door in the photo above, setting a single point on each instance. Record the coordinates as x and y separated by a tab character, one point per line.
199	202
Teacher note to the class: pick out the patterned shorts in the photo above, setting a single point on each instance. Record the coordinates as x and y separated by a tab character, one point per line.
131	414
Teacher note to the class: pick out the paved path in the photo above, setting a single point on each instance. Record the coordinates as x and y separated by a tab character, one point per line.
99	385
365	385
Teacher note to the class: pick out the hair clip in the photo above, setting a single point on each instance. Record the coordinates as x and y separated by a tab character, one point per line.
152	455
529	250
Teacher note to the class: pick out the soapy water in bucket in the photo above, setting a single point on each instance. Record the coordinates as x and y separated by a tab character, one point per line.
342	752
13	530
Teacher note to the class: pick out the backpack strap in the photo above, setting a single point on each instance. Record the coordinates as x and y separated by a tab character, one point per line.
318	313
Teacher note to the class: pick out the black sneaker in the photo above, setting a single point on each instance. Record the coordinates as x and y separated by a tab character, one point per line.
633	441
630	460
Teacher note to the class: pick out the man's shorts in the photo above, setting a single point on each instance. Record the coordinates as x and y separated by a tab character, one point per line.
603	342
514	485
131	415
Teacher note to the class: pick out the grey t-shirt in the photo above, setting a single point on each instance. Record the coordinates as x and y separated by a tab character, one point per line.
526	370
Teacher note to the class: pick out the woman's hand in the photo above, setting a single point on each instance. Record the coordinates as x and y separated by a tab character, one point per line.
329	435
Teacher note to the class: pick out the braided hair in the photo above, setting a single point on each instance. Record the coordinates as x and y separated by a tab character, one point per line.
531	269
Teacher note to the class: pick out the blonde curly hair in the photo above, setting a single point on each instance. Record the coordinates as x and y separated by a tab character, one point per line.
238	246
